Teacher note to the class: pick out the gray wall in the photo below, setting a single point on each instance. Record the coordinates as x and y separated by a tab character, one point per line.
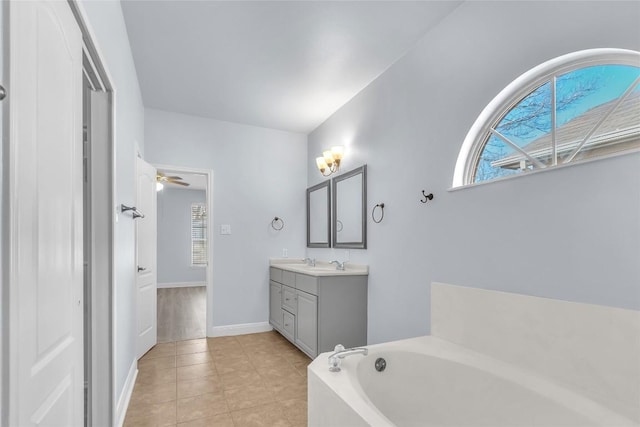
571	233
3	206
105	17
258	174
174	236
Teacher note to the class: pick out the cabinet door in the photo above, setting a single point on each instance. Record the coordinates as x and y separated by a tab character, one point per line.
288	325
275	311
307	323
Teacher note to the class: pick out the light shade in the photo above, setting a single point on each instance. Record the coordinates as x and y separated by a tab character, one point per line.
337	152
159	186
328	157
322	165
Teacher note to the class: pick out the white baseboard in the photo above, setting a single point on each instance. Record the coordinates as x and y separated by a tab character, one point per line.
125	397
240	329
181	284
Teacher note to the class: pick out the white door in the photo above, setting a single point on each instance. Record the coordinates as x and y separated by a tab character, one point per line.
45	216
146	235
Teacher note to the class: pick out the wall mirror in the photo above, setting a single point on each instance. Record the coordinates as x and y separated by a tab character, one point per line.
319	215
350	209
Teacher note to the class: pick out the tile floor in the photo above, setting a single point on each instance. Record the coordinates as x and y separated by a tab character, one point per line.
240	381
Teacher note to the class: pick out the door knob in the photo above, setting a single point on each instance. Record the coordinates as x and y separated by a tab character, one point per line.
141	269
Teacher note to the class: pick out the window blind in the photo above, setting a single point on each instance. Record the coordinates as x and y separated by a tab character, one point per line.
198	234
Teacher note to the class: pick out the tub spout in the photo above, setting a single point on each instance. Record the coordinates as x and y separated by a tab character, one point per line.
340	353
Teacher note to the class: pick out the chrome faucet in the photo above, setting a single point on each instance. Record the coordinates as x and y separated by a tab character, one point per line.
310	261
340	353
339	265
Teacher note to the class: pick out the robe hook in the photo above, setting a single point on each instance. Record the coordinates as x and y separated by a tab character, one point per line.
427	197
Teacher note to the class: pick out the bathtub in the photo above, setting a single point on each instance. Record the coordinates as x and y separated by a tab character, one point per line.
432	382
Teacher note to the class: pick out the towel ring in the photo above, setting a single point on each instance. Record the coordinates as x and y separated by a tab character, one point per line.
274	223
373	212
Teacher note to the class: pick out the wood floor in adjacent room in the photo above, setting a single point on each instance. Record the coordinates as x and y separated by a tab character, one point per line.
240	381
182	313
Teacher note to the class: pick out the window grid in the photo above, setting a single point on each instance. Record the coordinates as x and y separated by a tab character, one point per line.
498	125
198	235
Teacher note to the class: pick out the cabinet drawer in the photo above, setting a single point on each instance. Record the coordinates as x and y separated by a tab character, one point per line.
289	299
307	283
288	325
289	278
275	274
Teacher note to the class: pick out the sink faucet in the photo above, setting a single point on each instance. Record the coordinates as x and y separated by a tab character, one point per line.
340	353
339	265
310	261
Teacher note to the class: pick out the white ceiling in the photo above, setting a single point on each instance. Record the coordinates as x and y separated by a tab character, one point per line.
279	64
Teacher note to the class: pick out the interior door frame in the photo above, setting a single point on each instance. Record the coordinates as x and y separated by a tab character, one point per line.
104	186
171	169
101	409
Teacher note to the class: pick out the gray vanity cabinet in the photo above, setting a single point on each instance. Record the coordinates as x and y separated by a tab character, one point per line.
275	301
317	313
307	321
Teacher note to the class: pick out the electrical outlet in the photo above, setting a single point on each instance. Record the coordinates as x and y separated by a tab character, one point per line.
225	229
285	253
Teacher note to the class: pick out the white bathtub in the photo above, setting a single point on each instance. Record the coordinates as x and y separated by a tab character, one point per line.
432	382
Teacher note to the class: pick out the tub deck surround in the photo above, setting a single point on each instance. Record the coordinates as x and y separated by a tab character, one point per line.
467	388
322	268
589	348
498	358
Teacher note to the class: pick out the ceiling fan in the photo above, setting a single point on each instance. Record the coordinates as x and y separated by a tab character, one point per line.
162	178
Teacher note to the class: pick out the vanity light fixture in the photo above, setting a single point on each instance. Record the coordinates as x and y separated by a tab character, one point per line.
330	161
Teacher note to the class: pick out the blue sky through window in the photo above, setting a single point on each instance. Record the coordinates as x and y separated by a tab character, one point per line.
577	92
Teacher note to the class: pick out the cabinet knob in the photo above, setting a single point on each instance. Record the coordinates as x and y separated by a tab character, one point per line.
286	299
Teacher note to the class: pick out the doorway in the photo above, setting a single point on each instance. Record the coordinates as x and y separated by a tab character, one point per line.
184	207
97	157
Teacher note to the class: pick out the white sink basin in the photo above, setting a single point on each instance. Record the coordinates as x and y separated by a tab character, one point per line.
321	268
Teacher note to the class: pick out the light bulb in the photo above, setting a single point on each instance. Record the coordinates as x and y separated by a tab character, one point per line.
159	186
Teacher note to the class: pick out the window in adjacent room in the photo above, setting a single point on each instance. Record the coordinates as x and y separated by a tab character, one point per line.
198	235
576	107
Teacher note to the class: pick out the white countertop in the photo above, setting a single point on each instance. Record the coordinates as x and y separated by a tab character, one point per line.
322	268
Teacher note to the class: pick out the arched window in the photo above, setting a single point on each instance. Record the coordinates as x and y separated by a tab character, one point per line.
575	107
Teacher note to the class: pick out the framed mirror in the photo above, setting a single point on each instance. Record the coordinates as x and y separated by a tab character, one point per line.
319	215
350	209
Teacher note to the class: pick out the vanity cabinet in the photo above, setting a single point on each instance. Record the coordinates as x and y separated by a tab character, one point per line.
316	313
307	321
275	301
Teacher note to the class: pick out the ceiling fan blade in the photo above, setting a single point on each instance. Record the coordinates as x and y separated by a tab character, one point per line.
186	184
172	177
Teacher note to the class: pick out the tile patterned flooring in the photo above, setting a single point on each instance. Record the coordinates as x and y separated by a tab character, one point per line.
239	381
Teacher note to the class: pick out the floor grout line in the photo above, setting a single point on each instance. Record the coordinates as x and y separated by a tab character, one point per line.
246	346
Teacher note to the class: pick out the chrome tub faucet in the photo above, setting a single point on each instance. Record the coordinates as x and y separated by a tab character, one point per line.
340	353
